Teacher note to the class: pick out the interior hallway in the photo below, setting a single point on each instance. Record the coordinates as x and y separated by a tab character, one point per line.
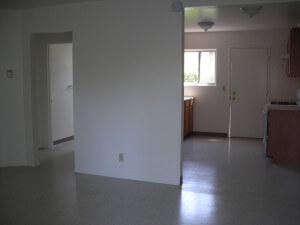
225	182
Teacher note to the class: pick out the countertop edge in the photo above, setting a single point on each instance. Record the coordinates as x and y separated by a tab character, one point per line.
188	98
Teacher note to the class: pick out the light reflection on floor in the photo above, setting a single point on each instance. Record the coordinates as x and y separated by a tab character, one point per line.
215	140
196	206
230	181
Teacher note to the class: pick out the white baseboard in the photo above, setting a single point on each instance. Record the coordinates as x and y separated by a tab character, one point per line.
11	164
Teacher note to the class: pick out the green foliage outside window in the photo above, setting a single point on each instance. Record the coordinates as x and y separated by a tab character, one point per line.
191	77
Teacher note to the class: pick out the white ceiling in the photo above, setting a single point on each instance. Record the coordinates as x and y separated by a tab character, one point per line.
27	4
227	18
230	18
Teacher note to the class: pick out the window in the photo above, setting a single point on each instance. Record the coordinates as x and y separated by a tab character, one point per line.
200	67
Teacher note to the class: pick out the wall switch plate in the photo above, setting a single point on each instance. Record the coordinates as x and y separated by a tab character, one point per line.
9	74
121	157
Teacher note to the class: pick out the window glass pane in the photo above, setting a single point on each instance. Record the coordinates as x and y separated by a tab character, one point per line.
191	67
207	67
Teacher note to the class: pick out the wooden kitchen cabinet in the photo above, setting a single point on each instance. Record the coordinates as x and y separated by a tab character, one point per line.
188	117
283	137
293	65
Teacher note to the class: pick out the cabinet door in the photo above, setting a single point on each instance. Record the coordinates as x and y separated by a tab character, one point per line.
191	117
294	53
270	150
186	120
283	136
289	46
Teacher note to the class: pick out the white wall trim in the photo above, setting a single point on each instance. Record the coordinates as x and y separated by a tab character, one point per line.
175	183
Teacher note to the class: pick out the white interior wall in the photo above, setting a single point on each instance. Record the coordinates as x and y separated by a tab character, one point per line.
127	80
12	125
212	104
39	75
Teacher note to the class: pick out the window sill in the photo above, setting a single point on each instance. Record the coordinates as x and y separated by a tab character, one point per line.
198	85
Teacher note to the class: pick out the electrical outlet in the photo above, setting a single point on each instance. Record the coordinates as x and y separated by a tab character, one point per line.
121	157
9	74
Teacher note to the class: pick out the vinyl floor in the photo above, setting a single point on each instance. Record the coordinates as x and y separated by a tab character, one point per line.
225	182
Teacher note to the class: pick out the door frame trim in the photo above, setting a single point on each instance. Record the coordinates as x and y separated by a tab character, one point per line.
32	127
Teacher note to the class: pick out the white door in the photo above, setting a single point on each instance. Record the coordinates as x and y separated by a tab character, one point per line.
61	90
249	79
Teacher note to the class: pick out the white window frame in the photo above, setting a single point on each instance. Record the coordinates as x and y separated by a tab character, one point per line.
198	83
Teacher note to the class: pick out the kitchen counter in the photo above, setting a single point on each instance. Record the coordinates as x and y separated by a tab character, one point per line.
283	132
284	107
188	98
280	107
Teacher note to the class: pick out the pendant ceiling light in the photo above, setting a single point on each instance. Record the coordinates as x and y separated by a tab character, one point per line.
206	25
251	10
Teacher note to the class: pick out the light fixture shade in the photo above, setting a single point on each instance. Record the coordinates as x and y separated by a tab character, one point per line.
251	10
206	25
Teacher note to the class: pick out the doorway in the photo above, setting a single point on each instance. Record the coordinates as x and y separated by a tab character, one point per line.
52	85
248	94
60	70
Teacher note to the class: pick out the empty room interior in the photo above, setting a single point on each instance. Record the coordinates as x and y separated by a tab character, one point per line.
150	112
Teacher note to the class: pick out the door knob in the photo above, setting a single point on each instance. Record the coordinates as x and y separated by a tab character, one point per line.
233	98
234	93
